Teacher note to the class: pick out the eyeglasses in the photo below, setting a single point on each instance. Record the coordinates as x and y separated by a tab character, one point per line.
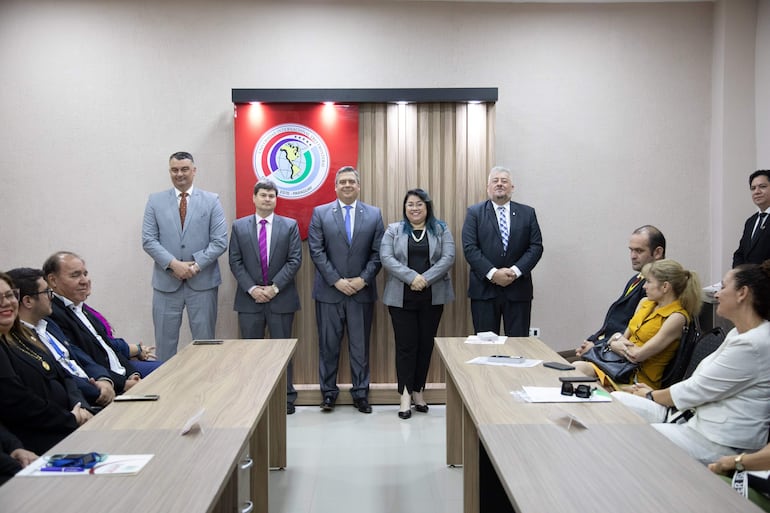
12	295
582	391
47	292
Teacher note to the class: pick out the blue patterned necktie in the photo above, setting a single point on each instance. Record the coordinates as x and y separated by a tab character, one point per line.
501	217
347	223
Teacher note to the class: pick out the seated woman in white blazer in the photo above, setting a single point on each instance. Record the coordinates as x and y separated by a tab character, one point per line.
730	389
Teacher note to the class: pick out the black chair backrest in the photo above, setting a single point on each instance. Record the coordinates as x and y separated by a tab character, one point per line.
707	343
676	368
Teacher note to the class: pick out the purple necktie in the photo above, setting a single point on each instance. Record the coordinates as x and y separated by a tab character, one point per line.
263	249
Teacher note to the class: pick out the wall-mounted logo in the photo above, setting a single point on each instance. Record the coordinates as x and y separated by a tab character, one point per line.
294	157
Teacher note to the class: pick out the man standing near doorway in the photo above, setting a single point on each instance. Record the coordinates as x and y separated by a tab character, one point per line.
754	247
184	231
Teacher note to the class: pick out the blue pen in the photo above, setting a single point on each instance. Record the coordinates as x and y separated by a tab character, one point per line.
62	469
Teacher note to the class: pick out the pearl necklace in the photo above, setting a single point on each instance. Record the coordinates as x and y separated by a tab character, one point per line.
24	349
422	236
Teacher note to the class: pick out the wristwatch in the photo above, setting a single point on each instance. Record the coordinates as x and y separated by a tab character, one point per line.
739	462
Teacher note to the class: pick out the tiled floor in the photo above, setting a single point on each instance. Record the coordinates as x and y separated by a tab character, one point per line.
346	461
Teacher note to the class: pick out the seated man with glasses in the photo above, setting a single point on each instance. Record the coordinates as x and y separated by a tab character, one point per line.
35	297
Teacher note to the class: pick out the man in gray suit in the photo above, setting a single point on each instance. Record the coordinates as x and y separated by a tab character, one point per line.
502	244
184	231
265	255
344	241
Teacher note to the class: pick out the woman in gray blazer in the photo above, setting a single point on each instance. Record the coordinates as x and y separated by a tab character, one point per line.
729	391
417	253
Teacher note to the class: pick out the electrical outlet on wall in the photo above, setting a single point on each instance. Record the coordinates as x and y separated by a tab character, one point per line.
534	332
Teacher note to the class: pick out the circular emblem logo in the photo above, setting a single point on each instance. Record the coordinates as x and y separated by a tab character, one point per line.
294	157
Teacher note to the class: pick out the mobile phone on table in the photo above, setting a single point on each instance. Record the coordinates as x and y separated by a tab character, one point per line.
137	397
208	342
558	366
82	460
576	379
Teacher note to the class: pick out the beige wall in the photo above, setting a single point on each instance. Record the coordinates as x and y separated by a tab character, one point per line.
605	114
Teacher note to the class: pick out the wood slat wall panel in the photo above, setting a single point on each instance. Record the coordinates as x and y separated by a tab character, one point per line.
447	149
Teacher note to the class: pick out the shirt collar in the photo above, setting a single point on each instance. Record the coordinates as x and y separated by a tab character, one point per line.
342	205
268	218
67	302
177	192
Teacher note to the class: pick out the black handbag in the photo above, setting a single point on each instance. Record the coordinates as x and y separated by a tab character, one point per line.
613	365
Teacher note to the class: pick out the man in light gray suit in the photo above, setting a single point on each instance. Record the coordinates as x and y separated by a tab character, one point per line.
266	296
184	231
344	241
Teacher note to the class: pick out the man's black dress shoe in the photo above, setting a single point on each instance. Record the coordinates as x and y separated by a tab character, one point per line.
422	408
328	404
405	414
290	408
362	405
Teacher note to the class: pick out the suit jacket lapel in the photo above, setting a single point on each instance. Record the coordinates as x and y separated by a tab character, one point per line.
252	233
491	212
339	219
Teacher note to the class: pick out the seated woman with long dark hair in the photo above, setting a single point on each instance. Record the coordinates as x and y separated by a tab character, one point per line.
38	402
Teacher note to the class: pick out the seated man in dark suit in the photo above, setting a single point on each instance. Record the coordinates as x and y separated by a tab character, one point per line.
92	379
67	275
647	245
754	247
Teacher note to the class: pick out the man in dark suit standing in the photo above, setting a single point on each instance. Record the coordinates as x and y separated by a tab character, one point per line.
344	241
502	244
265	255
754	247
647	245
184	231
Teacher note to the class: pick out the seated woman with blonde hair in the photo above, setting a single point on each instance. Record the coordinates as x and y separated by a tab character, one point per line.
652	336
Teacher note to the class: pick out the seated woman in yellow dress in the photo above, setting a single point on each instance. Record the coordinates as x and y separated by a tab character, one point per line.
652	336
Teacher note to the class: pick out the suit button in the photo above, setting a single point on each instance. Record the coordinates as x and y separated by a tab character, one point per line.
183	246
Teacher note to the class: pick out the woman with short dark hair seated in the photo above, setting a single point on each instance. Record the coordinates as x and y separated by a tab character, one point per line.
729	391
652	336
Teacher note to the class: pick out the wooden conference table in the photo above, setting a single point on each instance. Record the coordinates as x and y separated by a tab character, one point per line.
241	388
523	457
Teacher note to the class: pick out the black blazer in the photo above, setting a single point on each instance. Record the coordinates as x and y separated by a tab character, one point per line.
35	403
759	251
483	249
621	311
82	337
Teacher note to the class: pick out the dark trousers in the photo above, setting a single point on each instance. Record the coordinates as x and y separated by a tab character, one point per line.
515	315
253	325
333	319
414	331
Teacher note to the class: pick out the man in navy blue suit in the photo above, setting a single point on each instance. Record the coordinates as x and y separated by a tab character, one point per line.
344	241
502	244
